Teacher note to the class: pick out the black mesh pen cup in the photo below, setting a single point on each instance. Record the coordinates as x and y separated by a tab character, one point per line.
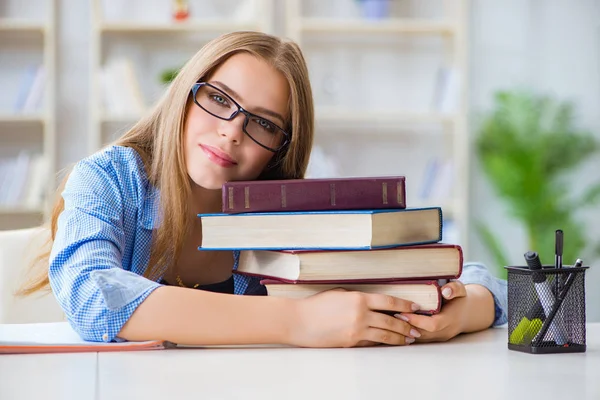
546	309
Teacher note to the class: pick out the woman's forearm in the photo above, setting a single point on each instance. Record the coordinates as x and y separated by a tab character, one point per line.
480	311
190	316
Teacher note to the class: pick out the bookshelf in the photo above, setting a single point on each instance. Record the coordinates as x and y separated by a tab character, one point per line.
400	132
147	42
27	112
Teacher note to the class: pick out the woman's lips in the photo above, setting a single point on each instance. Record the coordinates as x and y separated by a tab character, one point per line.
218	156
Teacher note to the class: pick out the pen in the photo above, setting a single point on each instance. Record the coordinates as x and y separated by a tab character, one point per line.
578	264
558	251
544	292
558	248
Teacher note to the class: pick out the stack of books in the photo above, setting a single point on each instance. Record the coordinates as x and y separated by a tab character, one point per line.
305	236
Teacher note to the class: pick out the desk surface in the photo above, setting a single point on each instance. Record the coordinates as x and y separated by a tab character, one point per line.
470	366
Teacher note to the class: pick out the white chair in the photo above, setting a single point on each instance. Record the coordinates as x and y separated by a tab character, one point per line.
17	249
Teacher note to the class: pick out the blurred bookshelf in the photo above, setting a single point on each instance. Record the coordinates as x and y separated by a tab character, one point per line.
126	44
27	112
390	82
393	85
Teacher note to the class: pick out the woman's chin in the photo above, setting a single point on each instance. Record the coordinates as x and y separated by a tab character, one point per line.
208	183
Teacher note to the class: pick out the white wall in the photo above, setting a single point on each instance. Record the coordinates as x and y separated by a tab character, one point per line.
551	45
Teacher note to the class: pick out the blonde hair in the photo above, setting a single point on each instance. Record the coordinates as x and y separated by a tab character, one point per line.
158	139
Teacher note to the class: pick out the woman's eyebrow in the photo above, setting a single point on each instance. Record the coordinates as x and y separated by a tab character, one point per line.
239	98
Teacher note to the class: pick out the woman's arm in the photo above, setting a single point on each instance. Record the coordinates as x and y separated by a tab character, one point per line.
334	318
189	316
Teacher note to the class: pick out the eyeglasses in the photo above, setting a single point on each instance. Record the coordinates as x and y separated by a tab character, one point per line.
219	104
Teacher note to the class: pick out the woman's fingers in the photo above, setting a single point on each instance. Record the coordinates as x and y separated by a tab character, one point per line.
453	289
383	302
390	323
384	336
425	323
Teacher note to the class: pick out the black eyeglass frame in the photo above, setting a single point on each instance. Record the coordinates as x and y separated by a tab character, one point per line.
247	115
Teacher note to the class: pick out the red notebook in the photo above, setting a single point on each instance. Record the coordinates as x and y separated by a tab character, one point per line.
314	194
59	337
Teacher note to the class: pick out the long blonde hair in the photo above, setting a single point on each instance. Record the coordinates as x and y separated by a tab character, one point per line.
158	138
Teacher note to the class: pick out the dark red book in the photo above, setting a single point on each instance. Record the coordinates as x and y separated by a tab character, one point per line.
357	193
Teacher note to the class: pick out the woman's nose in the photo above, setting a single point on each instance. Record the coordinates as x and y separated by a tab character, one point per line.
233	129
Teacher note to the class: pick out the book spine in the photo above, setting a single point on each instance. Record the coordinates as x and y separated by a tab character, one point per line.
305	195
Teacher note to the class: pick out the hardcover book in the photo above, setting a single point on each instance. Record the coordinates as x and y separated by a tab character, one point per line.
314	194
356	229
425	293
430	261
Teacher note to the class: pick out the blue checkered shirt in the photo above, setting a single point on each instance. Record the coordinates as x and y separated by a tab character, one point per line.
102	246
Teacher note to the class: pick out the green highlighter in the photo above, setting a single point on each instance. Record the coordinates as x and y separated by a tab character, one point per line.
529	326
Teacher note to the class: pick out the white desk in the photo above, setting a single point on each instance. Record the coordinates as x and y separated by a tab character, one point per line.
476	366
48	376
458	369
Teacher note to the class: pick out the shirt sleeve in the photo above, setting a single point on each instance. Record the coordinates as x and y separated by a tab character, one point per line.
97	295
477	273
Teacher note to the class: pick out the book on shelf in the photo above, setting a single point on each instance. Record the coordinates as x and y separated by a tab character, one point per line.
446	96
340	229
314	194
430	261
23	180
31	90
426	293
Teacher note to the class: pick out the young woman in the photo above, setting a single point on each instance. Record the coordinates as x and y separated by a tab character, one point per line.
124	263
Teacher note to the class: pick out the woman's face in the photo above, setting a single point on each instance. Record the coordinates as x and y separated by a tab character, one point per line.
217	151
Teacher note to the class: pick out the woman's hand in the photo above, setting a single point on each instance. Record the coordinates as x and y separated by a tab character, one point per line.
466	309
339	318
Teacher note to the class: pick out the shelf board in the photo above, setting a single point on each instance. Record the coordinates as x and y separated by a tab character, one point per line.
119	118
11	24
408	26
17	210
329	116
29	119
183	27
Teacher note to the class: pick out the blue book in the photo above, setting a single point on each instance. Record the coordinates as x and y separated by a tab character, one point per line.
324	230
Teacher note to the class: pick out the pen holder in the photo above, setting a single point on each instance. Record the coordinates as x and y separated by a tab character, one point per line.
546	309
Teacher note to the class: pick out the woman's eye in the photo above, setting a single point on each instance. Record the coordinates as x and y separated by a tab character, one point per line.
219	99
266	125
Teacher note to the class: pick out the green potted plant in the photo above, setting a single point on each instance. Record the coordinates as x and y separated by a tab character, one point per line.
527	146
